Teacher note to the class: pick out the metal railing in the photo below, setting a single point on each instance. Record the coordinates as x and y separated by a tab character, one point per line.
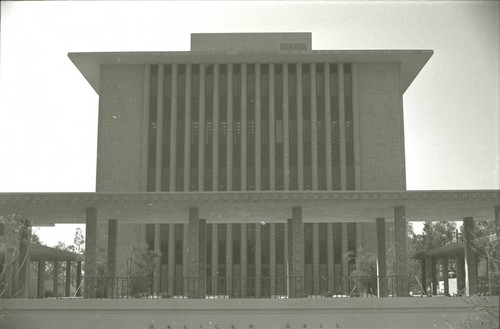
242	287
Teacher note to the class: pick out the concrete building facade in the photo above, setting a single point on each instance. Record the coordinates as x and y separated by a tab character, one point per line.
254	166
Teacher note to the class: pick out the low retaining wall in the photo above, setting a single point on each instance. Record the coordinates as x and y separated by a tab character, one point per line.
435	312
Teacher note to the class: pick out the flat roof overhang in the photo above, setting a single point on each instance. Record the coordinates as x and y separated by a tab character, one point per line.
232	207
412	61
40	252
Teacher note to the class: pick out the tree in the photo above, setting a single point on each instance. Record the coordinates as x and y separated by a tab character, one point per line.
10	242
140	269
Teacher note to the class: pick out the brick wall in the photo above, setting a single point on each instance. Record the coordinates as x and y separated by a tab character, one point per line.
382	157
120	128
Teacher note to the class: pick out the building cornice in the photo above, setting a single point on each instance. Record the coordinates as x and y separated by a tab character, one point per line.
411	60
250	196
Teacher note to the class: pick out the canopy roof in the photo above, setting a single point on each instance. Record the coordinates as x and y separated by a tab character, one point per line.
270	206
412	61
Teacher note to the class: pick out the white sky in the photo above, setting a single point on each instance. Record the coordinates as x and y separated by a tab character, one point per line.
48	112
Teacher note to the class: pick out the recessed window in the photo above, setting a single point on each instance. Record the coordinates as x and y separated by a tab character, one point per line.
286	46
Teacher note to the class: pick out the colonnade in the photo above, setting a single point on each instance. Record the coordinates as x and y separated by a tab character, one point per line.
296	255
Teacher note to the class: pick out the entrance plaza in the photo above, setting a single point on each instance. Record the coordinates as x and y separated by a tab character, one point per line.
237	182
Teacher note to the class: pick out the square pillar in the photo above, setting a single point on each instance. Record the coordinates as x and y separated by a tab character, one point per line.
41	279
444	262
434	276
157	260
67	286
229	258
459	259
344	251
330	258
316	267
470	257
258	261
78	278
272	259
55	283
381	259
90	252
295	253
243	260
112	245
497	232
423	262
196	254
400	244
24	259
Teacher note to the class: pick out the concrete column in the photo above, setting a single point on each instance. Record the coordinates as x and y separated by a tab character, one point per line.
229	258
90	252
286	131
67	290
243	258
229	148
286	248
330	256
257	127
423	262
23	259
296	254
201	127
444	262
157	260
215	141
497	229
470	257
55	282
243	127
459	259
400	245
314	127
145	127
272	258
258	261
300	128
328	132
381	259
355	119
215	261
272	131
159	128
171	257
342	137
316	274
78	278
345	259
185	258
41	279
434	276
112	246
196	254
173	128
187	129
